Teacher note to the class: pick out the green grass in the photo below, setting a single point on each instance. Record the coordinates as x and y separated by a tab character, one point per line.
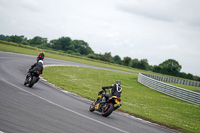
137	99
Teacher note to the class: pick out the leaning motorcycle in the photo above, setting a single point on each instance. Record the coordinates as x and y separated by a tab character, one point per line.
31	78
107	105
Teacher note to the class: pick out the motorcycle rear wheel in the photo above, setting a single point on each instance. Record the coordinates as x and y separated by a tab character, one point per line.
108	110
33	80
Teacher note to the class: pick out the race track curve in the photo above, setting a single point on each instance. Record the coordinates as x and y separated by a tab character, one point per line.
45	109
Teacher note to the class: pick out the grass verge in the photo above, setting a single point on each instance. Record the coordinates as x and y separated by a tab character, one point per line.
137	99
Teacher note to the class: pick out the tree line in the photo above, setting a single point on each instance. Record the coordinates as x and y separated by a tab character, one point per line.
65	44
82	48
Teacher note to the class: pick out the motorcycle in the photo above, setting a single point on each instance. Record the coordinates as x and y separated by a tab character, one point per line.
31	78
107	105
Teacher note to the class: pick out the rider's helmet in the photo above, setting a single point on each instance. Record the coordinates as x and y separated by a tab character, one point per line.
117	86
118	82
41	61
40	56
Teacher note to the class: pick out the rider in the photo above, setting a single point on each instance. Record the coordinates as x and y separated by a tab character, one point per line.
38	66
40	56
116	90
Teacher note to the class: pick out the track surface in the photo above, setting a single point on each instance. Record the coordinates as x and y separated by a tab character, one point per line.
45	109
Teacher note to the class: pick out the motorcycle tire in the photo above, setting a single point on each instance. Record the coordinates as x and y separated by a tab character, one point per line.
108	110
25	82
92	107
32	82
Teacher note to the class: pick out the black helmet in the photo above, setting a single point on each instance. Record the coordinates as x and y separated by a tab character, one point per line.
118	82
40	56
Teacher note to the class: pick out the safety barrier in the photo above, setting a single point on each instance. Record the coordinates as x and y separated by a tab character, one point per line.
173	80
174	91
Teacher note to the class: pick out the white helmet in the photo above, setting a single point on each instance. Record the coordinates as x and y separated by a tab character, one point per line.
40	61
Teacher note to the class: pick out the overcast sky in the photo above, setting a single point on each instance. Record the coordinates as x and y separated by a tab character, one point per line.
155	30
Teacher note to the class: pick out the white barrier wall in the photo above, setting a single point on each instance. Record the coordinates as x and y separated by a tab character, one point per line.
177	92
173	80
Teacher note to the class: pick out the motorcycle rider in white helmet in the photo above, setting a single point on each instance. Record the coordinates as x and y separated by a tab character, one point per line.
38	66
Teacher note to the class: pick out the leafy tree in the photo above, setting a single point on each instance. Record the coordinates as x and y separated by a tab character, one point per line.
144	64
55	45
189	76
38	40
85	49
81	47
16	39
94	56
61	43
196	78
116	59
171	67
126	61
25	42
106	57
70	52
183	75
157	69
3	37
64	42
135	63
71	46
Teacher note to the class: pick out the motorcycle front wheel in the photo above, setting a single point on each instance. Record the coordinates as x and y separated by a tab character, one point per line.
92	107
25	82
108	109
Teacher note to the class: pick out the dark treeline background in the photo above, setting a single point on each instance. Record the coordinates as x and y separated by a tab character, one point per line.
82	48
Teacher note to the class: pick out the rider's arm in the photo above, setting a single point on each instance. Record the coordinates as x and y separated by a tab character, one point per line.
33	65
106	87
113	89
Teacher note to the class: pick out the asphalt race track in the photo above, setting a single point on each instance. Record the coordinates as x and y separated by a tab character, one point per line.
45	109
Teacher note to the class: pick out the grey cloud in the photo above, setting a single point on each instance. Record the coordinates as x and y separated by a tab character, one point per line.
144	13
179	11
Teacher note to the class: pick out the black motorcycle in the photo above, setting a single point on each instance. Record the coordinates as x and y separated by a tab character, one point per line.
31	78
107	103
